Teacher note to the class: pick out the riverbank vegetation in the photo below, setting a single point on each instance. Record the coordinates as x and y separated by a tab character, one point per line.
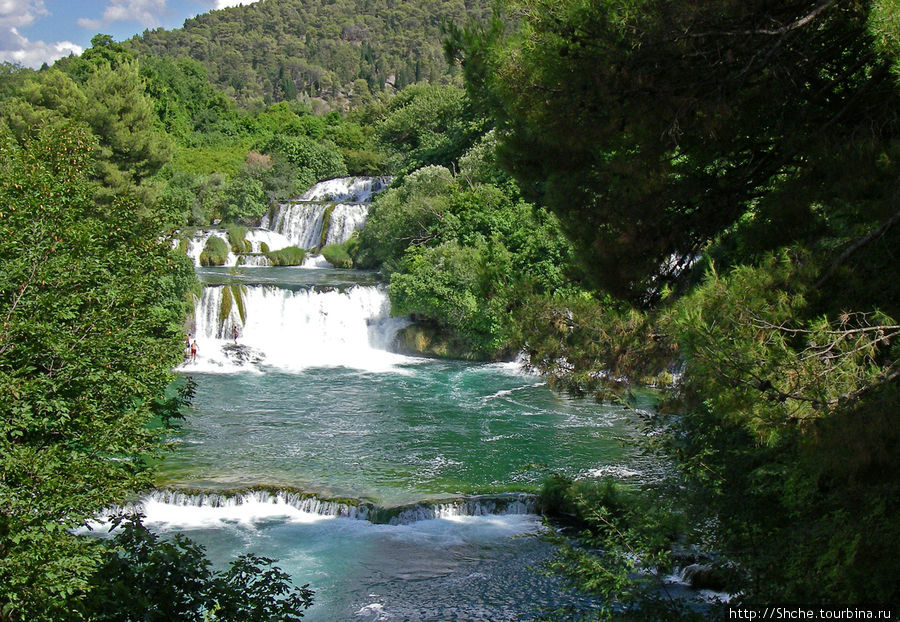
702	196
728	176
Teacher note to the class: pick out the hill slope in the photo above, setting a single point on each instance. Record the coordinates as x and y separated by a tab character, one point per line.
277	50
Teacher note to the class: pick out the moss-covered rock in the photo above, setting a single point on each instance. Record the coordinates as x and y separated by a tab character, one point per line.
215	252
337	255
236	235
290	256
326	224
237	293
264	248
434	342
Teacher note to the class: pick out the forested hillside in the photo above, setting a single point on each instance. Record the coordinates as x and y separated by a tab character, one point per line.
702	196
275	50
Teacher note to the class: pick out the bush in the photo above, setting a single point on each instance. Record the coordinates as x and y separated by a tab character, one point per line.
236	236
290	256
143	577
338	255
215	252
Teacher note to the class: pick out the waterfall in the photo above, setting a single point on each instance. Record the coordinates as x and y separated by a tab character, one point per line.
172	506
198	241
347	189
295	329
302	221
345	219
256	237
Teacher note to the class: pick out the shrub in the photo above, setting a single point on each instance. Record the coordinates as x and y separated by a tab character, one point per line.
290	256
215	252
236	235
338	255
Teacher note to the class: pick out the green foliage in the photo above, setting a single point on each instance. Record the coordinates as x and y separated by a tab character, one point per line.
644	178
465	259
624	550
405	216
342	52
143	578
884	24
93	299
236	235
339	255
224	158
427	125
245	200
445	283
290	256
122	116
780	423
215	252
315	161
761	140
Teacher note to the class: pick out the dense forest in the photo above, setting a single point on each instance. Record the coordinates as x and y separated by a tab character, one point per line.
336	53
702	197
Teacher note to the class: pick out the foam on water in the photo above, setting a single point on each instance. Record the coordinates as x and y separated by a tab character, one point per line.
296	330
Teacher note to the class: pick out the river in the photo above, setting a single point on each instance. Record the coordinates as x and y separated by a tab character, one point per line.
399	488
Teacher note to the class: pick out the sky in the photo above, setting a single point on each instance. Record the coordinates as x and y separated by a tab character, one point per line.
33	32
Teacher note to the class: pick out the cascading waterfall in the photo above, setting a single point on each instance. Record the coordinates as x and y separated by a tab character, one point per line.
302	221
295	330
345	219
198	242
172	506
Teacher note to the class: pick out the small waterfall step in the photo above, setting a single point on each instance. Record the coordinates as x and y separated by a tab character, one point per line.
155	505
343	203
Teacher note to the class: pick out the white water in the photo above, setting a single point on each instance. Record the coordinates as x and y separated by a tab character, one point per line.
296	330
256	237
302	221
168	509
345	219
347	189
198	241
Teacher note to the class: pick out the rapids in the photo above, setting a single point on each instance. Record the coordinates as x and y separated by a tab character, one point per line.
398	487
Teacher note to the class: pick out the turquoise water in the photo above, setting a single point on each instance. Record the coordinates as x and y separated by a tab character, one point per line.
424	430
402	431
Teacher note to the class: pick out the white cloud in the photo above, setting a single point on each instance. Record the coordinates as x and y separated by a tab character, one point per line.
18	13
145	12
18	49
15	14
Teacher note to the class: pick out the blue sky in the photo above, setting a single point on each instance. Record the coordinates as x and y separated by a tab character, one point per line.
37	31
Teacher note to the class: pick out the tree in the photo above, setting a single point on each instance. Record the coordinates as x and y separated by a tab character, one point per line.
653	128
143	578
91	304
122	116
728	173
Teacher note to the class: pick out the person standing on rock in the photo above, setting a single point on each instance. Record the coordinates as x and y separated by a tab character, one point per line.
235	331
